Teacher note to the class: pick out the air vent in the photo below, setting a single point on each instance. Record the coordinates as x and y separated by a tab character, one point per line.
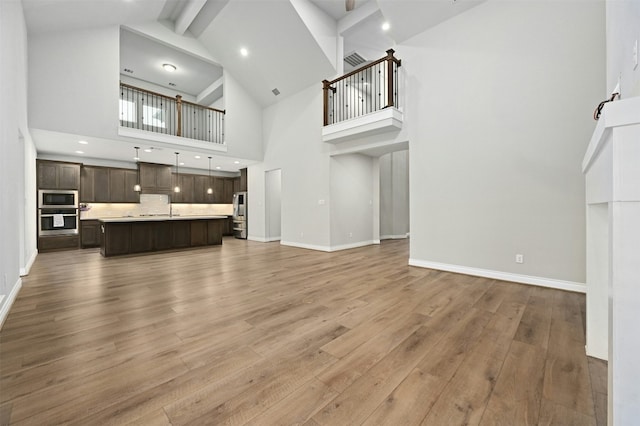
128	70
172	84
276	91
354	59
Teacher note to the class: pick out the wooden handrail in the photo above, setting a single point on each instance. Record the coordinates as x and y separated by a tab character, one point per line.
389	56
128	86
348	109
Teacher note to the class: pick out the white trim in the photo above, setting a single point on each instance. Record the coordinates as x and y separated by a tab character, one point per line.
376	241
8	301
352	245
170	139
305	246
503	276
331	248
25	271
263	239
394	237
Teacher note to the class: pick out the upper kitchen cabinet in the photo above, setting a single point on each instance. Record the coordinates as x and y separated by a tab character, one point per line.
155	178
58	175
243	180
108	185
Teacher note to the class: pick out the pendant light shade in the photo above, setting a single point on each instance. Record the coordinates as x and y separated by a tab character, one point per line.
209	190
137	187
177	187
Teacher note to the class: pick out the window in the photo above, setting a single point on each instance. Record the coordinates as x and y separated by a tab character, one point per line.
127	111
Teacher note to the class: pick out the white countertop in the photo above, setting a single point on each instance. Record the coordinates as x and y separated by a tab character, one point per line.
155	218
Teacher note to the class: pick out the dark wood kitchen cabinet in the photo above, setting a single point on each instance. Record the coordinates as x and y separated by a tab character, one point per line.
123	236
243	180
181	233
155	178
90	233
142	236
198	233
108	185
200	186
186	183
227	195
121	183
58	175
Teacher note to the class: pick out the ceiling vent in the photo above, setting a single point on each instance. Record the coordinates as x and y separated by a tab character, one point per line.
354	59
276	91
130	71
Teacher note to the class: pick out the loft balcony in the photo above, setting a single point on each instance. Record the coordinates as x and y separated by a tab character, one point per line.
152	116
363	102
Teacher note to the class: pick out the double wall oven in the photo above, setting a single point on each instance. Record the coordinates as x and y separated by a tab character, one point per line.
57	212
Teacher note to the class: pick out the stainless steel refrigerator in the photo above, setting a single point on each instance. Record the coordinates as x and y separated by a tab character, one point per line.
240	215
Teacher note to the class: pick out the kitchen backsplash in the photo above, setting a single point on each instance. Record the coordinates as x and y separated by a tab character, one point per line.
153	204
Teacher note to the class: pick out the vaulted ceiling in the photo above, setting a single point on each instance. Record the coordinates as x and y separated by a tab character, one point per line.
291	44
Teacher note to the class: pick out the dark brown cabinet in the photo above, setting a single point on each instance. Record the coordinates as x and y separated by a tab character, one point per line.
58	175
186	183
199	233
200	187
108	185
243	180
57	242
181	233
90	233
155	178
118	238
227	195
142	236
101	185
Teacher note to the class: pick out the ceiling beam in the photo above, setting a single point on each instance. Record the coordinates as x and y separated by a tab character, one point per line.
188	14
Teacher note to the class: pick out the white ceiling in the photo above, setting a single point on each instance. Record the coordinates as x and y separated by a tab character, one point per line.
283	53
145	58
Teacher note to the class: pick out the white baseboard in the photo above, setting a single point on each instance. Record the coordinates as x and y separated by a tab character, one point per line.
305	246
263	239
328	249
7	302
25	271
394	237
352	245
504	276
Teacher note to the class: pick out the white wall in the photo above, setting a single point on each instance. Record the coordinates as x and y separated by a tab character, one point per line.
242	121
351	201
292	143
623	31
394	195
74	80
499	104
273	204
17	163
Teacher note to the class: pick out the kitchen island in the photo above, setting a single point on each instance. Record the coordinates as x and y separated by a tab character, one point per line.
129	235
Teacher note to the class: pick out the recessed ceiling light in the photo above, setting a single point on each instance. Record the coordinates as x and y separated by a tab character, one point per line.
83	142
386	26
197	156
218	167
244	51
169	67
79	152
148	150
182	164
236	162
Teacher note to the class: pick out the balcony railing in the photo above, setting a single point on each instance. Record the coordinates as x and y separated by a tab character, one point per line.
367	89
154	112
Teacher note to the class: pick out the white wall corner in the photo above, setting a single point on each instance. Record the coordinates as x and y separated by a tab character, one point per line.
25	271
305	246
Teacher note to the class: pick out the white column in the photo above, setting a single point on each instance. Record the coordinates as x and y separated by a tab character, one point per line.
612	171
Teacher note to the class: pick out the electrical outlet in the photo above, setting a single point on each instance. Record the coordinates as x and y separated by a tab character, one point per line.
519	258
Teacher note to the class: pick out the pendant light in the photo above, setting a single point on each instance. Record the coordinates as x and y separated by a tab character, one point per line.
209	190
177	187
137	187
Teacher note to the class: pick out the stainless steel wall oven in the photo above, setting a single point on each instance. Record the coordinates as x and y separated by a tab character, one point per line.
57	212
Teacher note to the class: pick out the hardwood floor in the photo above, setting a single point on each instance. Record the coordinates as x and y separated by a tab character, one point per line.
263	334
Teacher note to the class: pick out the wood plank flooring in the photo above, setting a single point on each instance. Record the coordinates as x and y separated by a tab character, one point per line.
263	334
